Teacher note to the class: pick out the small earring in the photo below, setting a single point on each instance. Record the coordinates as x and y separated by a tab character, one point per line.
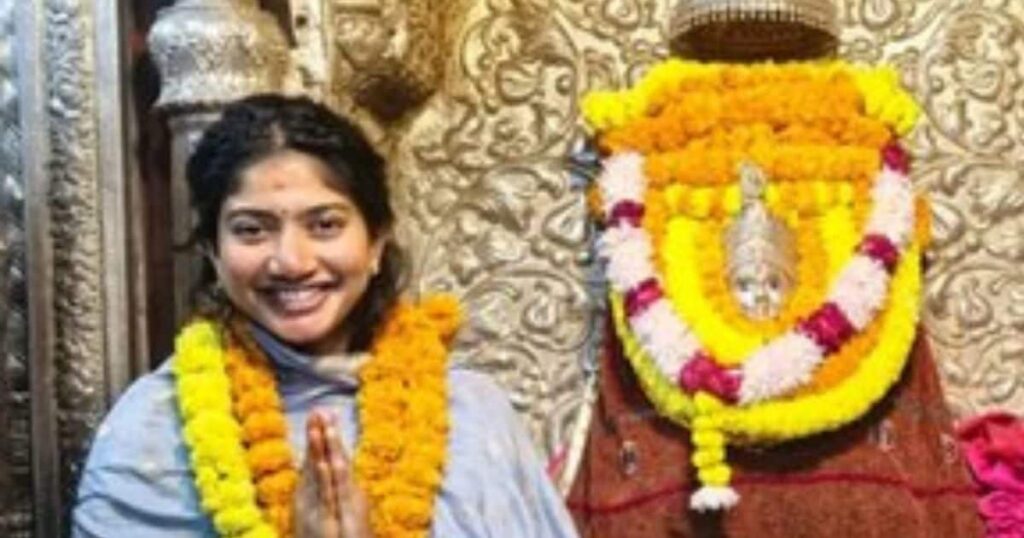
375	267
217	291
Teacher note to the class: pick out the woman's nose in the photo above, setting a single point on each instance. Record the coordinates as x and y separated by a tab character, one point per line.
293	256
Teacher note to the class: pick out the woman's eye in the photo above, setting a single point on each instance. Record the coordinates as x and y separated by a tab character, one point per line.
328	225
247	230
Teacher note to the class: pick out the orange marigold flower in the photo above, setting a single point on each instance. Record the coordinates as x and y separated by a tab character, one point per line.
278	487
262	425
255	399
923	221
281	517
269	456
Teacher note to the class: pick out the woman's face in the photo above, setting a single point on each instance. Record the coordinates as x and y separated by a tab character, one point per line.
294	254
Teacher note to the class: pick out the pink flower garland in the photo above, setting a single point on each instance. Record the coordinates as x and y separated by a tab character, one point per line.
994	447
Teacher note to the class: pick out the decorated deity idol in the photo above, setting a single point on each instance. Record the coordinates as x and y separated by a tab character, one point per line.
764	374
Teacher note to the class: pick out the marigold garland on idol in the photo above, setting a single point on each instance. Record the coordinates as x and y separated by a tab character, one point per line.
762	247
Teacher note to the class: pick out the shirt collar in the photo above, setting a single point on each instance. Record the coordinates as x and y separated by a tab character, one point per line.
293	365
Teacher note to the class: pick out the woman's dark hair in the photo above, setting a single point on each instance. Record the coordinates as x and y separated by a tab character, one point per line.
257	127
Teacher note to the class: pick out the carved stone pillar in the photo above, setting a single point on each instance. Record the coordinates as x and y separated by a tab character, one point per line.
66	218
15	467
209	52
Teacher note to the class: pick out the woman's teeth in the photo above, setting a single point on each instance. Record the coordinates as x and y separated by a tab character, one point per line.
298	299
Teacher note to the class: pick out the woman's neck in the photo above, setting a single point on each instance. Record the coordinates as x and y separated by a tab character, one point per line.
340	365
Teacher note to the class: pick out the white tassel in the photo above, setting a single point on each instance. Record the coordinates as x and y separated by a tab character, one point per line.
709	498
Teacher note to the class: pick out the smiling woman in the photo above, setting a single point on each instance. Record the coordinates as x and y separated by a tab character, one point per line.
295	254
292	201
300	354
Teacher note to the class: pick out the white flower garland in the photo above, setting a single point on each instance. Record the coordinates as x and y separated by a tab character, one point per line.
789	360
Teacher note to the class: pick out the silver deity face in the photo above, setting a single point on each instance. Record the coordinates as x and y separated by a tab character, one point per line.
761	260
760	287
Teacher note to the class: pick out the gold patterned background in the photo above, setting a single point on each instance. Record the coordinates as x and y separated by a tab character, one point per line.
962	60
490	209
491	213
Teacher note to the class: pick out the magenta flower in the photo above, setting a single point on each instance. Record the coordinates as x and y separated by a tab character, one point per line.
703	373
1003	505
896	158
881	249
828	327
993	445
626	211
641	297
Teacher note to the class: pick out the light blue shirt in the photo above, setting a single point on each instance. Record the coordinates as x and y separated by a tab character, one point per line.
137	482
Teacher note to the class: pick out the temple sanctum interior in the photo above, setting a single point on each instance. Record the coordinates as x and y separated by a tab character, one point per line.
730	261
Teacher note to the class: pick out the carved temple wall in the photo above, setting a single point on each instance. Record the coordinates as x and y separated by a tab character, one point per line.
490	211
476	104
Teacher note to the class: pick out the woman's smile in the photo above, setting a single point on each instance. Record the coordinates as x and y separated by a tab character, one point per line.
298	300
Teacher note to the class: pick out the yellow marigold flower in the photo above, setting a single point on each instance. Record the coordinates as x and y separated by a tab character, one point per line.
255	400
707	457
236	520
923	222
234	428
885	99
261	531
716	475
409	509
444	311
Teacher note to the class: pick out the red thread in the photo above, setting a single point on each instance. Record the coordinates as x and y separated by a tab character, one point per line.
919	492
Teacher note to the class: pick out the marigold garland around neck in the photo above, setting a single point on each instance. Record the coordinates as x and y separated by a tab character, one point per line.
259	410
236	433
834	165
213	435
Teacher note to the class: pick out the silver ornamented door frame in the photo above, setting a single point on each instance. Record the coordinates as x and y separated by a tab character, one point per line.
73	332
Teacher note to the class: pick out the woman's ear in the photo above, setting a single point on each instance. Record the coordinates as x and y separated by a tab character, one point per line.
378	255
209	252
377	252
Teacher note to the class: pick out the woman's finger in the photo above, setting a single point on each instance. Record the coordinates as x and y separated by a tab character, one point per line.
352	505
319	451
338	459
314	505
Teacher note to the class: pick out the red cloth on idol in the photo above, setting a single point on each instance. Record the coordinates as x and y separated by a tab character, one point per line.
896	473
